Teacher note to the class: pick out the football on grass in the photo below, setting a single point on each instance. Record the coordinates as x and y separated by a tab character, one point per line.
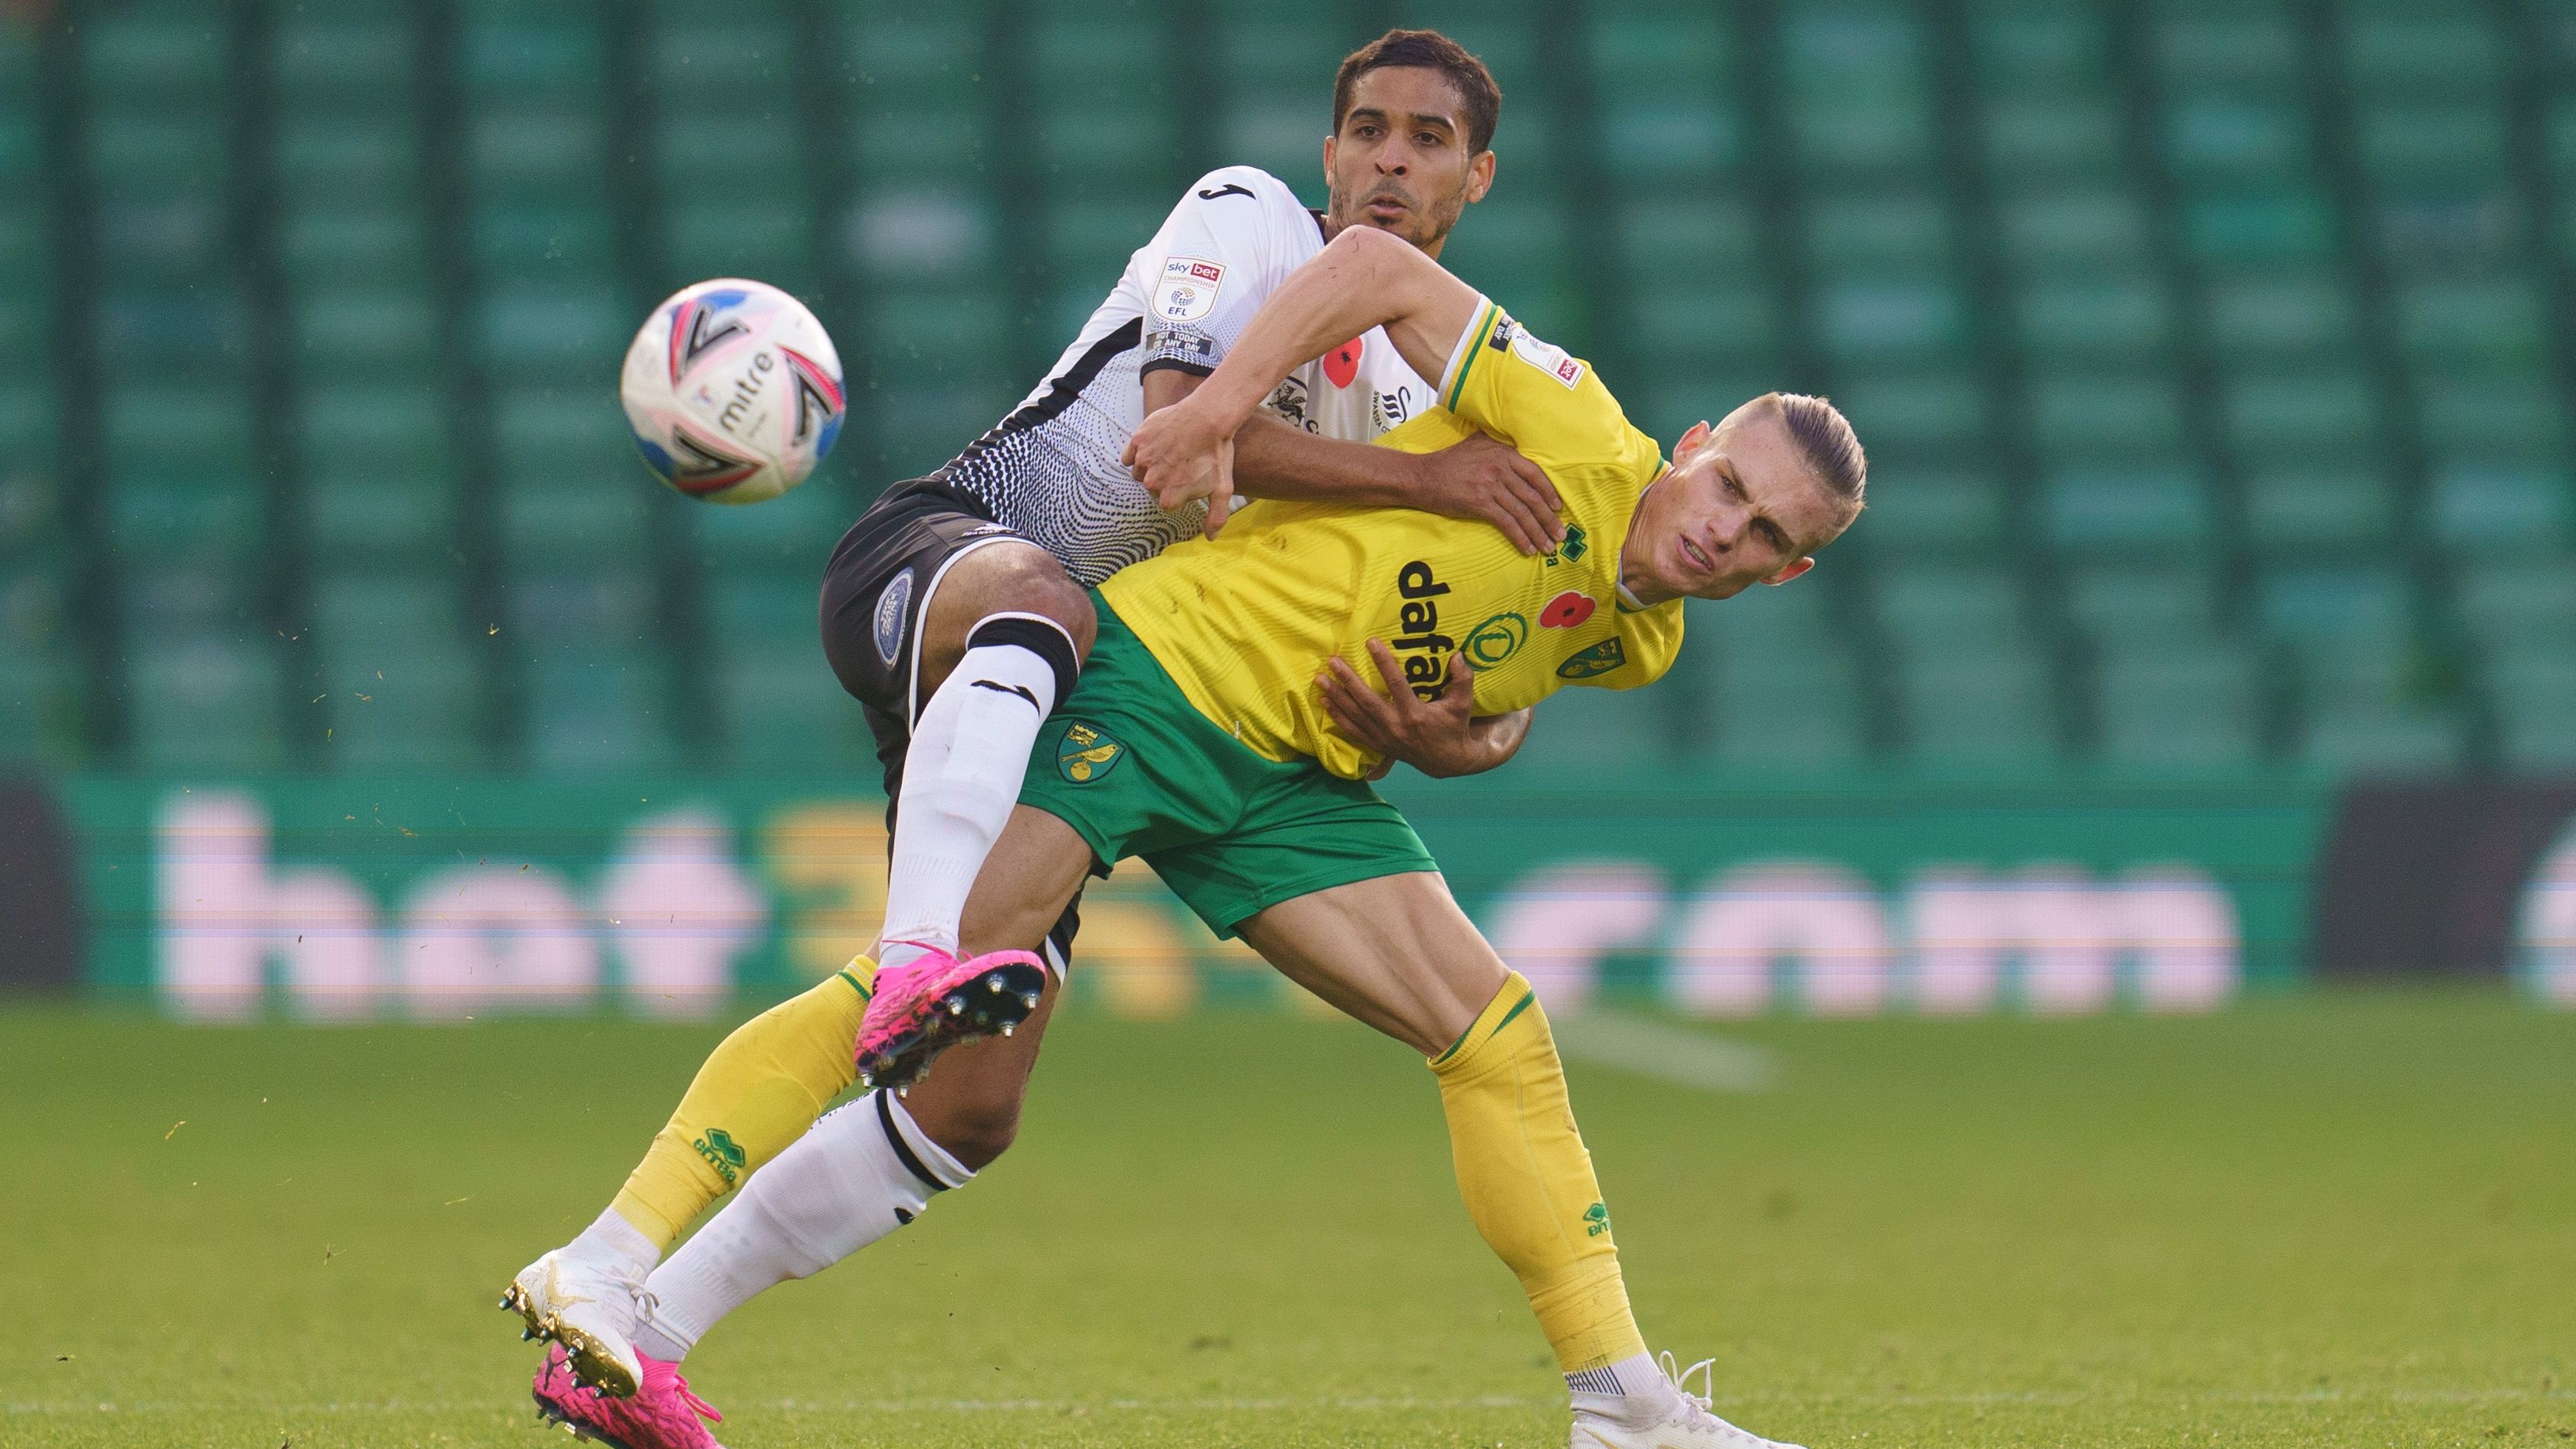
734	391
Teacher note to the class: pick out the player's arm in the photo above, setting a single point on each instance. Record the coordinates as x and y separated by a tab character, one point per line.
1476	479
1440	736
1365	278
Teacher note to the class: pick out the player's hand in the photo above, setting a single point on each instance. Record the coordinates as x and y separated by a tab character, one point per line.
1184	452
1441	737
1484	479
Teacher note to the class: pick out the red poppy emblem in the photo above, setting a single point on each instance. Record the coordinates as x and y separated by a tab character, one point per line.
1343	362
1565	611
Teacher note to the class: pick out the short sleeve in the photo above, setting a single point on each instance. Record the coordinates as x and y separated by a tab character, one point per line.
1220	253
1533	395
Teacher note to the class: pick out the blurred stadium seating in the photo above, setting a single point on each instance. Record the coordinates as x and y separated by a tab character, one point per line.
2203	351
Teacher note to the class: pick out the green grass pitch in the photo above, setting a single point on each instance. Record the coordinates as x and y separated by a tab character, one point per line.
2331	1221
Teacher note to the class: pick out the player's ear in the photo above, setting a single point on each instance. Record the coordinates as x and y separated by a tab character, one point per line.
1792	571
1698	434
1330	144
1480	175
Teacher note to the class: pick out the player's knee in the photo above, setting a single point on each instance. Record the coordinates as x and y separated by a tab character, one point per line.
1013	579
977	1132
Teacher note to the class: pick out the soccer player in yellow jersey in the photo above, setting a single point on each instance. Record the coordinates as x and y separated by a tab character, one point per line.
1217	732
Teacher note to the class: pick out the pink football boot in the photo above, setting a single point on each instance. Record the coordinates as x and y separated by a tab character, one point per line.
935	1001
660	1414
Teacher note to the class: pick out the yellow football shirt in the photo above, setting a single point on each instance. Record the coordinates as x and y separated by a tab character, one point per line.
1244	622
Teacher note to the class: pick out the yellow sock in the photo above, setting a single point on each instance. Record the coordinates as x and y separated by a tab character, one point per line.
759	1090
1528	1181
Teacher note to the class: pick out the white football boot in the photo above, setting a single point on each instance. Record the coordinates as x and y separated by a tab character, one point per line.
1673	1419
591	1310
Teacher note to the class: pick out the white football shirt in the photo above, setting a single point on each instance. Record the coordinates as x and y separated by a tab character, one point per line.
1051	470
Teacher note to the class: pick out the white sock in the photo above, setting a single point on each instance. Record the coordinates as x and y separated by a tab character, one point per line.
864	1170
960	779
1621	1389
613	1243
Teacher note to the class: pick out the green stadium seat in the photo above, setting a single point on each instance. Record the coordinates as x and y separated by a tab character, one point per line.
937	332
515	48
2135	509
1930	603
550	151
2290	225
399	684
2135	605
602	710
2252	44
2534	690
2282	313
1766	678
1589	729
2090	415
2168	703
2369	738
2076	228
2441	50
794	534
363	55
543	243
2093	317
2214	140
555	334
773	605
2512	414
1897	412
2320	503
1901	232
2301	413
2501	508
1891	320
323	242
2493	321
2353	609
923	234
2040	138
2525	602
923	421
1934	509
2441	142
169	49
211	702
784	712
337	157
1975	702
337	331
40	707
414	711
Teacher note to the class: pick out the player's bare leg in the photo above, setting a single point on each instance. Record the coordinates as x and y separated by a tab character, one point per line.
1397	952
874	1165
1004	636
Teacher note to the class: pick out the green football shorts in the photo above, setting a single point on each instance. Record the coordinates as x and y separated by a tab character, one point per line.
1132	766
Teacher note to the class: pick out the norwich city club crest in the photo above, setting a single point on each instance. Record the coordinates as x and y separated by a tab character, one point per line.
1495	640
1086	753
1591	663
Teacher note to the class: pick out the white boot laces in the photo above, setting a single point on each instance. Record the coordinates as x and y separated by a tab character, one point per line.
1679	1378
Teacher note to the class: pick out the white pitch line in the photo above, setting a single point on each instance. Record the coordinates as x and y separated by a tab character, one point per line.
1667	1053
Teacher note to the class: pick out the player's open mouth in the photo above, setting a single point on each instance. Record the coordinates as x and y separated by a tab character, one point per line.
1386	208
1698	559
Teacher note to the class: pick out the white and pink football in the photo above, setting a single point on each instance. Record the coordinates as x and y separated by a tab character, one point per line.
734	391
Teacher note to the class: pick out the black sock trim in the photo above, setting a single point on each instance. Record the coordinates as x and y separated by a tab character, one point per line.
902	1150
1044	638
1603	1380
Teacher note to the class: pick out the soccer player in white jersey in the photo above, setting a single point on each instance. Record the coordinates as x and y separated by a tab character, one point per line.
955	610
